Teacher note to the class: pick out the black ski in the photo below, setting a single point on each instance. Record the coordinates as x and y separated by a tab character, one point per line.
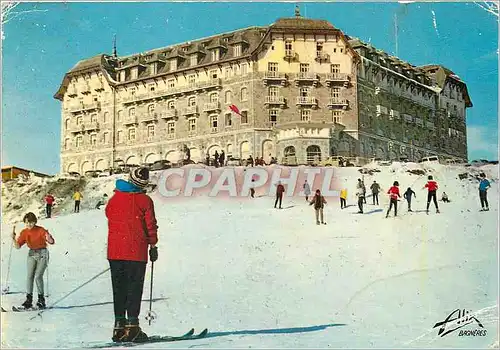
156	339
23	309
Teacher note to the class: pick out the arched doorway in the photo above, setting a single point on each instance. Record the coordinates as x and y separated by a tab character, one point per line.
229	149
72	168
313	154
196	155
86	166
172	156
268	150
289	151
151	158
245	150
101	164
132	160
211	150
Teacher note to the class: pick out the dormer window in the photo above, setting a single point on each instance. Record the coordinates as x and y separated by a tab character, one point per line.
237	50
193	60
173	65
215	55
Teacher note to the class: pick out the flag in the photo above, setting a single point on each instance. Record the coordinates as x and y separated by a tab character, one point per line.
235	109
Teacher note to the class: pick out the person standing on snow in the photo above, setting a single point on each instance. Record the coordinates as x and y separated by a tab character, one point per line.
36	237
280	189
49	200
432	187
252	188
375	187
77	196
360	193
132	227
394	195
307	190
407	195
319	202
343	198
101	201
484	185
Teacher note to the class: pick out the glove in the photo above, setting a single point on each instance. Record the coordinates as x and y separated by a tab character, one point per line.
153	254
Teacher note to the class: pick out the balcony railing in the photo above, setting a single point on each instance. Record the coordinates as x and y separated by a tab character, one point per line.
337	78
170	136
290	55
211	106
273	76
214	129
190	110
322	57
307	101
274	100
169	113
307	77
149	117
130	121
85	107
337	102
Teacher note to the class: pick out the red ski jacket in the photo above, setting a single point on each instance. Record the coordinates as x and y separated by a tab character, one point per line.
431	185
280	189
132	223
394	192
49	199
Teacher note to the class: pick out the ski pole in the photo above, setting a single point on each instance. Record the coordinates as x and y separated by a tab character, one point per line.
6	289
150	316
47	281
74	290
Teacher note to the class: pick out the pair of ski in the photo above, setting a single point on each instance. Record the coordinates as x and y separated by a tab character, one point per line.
156	339
23	309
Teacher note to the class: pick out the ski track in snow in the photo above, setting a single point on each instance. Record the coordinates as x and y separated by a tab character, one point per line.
260	277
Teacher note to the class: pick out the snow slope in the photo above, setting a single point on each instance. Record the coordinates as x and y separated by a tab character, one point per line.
267	278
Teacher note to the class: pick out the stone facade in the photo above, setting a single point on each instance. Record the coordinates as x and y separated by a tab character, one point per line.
302	87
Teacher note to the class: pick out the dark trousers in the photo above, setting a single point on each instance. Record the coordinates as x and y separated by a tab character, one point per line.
279	197
360	203
483	198
252	192
48	210
127	279
409	203
77	206
394	202
342	203
432	196
375	197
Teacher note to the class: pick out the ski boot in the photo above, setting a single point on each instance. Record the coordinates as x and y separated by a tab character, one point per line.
119	330
437	211
28	302
134	333
317	222
41	302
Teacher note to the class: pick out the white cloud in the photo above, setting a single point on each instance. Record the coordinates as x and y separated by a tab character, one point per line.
482	142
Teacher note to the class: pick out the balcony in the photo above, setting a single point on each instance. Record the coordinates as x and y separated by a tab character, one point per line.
322	57
170	136
72	91
337	78
87	127
192	133
274	77
212	107
337	102
290	56
307	77
214	130
190	110
85	107
275	100
307	101
130	121
85	89
149	117
169	113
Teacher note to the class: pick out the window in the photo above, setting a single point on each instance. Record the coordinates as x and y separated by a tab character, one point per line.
191	79
66	144
273	116
93	118
151	109
151	87
274	91
192	101
173	65
170	128
214	123
171	83
66	124
119	136
214	97
105	118
227	72
244	94
119	116
305	115
227	97
93	139
215	55
335	68
244	117
79	141
288	48
319	48
171	104
193	60
192	124
229	120
337	116
131	134
213	74
237	50
244	69
151	131
335	92
131	112
304	92
304	67
272	66
79	120
106	138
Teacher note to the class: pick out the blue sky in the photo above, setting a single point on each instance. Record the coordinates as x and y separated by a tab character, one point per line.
41	46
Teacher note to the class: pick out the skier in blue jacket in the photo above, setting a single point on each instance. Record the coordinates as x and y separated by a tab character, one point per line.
484	184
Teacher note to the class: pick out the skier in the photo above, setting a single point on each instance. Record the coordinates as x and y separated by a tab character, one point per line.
49	200
222	158
445	198
343	198
319	202
36	237
102	201
484	185
280	189
407	195
432	187
360	193
216	159
375	187
307	190
77	196
394	194
132	227
252	188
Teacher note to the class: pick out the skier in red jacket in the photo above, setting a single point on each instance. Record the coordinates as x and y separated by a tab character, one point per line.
280	189
394	195
432	187
49	200
131	229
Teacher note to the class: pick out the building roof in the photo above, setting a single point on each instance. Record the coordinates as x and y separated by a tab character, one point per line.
301	23
9	167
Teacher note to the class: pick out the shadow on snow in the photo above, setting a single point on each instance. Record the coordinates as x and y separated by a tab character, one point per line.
276	330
